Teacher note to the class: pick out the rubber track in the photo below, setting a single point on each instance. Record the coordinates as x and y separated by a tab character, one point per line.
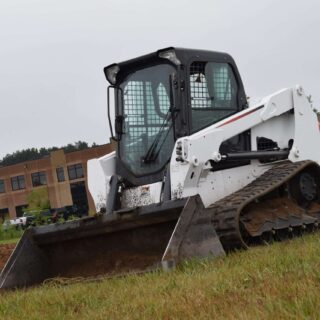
226	212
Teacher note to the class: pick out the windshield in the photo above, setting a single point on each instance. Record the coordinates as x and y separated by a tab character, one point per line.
147	142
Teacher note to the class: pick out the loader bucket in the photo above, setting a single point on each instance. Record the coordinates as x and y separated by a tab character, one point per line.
139	239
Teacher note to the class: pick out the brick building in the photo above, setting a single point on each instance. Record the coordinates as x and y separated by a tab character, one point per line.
64	175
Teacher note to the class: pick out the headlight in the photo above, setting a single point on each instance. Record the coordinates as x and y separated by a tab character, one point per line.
170	54
111	73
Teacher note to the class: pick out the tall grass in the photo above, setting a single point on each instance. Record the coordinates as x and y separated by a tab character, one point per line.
10	233
281	281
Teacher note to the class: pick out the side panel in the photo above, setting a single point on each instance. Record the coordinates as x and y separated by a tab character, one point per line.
213	186
99	174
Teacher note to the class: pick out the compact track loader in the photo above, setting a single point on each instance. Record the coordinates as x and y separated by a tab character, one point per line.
196	172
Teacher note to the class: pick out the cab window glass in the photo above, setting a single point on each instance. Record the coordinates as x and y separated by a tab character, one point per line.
213	93
147	142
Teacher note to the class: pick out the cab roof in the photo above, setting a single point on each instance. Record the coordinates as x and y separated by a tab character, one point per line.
184	56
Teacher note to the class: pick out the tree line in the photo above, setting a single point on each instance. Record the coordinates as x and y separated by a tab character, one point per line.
36	154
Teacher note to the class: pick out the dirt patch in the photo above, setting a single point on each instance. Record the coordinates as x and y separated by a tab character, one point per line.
5	252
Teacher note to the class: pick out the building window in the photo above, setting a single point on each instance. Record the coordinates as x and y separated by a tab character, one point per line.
60	174
20	210
75	171
18	183
38	179
2	187
4	214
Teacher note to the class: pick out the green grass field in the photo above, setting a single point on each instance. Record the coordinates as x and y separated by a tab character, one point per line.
281	281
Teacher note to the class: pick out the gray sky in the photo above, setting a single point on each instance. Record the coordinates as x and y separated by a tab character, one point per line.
52	87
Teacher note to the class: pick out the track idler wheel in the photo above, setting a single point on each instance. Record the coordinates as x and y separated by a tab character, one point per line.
304	187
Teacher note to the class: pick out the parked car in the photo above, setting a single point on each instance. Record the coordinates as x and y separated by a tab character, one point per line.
30	217
20	222
49	215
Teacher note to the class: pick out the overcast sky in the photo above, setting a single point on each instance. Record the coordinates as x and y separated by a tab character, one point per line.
52	54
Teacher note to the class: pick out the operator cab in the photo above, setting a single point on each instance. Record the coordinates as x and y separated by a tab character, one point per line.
166	95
